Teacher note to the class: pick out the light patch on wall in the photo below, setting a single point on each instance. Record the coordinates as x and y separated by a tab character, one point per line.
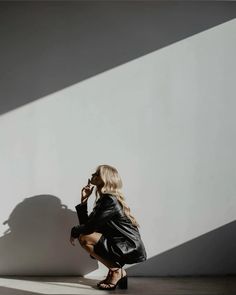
165	120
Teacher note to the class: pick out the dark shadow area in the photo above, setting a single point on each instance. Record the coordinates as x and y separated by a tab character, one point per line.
12	291
49	45
37	240
210	254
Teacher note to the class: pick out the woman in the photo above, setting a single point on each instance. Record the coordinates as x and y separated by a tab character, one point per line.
110	233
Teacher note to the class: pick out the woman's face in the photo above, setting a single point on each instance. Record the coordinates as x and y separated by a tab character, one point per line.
96	179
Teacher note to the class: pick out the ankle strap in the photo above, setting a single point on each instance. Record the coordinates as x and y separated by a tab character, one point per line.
115	269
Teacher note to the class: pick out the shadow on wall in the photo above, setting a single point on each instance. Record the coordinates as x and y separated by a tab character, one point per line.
37	243
77	40
213	253
37	240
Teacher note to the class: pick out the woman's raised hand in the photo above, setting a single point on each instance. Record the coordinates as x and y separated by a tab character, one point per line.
86	192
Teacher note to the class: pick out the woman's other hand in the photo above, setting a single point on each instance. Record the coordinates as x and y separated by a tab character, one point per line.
86	192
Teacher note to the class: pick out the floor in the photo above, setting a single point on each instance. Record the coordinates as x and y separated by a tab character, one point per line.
136	285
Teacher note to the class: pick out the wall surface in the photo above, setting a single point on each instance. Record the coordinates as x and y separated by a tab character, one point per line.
148	87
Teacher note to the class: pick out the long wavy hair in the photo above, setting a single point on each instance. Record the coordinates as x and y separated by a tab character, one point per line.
113	185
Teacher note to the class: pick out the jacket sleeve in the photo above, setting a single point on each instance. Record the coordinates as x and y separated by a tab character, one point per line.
82	212
103	211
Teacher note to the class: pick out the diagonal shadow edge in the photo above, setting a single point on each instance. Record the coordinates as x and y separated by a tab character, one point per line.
94	40
212	253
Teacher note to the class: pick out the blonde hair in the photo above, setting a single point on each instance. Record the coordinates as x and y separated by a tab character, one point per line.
112	185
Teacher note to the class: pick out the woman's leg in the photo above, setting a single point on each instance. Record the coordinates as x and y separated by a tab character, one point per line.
88	242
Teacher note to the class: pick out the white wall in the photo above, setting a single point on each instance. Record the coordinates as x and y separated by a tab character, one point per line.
165	120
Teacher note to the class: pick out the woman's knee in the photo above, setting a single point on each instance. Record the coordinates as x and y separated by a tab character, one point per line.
90	239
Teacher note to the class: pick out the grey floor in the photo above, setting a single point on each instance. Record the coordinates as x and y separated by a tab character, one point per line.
137	285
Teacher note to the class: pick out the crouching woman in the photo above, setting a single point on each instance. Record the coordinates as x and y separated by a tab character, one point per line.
110	232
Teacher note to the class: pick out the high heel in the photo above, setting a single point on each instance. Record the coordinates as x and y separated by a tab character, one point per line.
122	283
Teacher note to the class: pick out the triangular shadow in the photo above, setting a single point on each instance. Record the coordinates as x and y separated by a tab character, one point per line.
212	253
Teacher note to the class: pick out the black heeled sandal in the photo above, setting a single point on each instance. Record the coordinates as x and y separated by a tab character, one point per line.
122	283
105	280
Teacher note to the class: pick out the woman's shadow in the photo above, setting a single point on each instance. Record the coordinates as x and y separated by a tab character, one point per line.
37	241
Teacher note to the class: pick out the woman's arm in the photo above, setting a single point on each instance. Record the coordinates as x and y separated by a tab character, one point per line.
82	212
106	209
82	208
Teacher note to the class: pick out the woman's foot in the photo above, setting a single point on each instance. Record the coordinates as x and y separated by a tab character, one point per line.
106	279
113	278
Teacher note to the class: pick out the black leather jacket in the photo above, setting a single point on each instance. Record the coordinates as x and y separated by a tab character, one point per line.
108	218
